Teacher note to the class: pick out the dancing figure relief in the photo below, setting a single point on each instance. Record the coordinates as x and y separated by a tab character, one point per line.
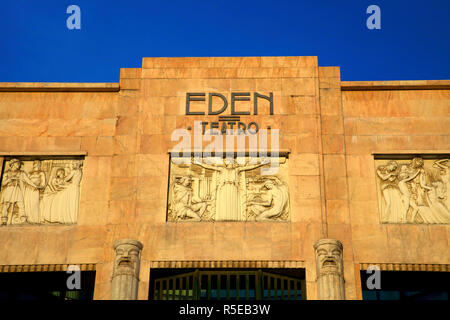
414	191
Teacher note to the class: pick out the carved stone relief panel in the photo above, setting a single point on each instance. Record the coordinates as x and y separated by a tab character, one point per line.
40	190
216	189
415	190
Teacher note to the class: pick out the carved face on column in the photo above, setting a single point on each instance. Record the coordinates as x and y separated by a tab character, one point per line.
127	258
328	256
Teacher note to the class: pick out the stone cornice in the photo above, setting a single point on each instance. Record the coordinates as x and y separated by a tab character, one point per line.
395	85
58	87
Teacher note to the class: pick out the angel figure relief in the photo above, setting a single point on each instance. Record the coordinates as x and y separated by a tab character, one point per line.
217	189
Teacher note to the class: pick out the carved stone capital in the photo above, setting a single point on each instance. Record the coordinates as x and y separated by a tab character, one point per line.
130	242
125	277
330	270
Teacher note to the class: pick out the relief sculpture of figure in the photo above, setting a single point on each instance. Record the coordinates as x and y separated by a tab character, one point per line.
14	183
404	177
437	212
57	184
420	190
419	182
445	175
32	194
415	193
227	189
274	204
433	209
60	205
185	205
227	192
391	193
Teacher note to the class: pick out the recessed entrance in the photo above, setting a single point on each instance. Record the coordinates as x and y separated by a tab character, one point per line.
407	285
227	284
44	286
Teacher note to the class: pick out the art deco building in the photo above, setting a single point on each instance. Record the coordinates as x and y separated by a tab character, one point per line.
225	178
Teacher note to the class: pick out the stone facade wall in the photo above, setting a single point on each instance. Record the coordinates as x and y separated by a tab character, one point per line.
126	135
62	123
408	122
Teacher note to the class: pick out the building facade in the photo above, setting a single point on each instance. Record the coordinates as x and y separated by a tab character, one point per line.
238	177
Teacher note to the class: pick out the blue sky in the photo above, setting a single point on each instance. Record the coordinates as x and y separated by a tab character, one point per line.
36	45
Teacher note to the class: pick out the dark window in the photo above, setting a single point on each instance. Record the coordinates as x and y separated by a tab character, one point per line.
227	284
407	285
44	286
